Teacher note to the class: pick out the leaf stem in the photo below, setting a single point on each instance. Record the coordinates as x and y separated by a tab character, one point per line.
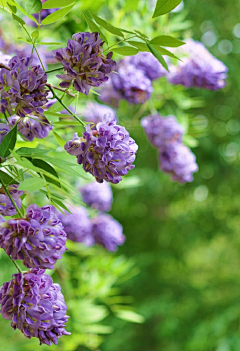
15	264
34	46
60	89
66	108
10	197
121	41
54	69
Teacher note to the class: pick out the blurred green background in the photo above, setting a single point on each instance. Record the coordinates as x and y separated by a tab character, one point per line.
183	245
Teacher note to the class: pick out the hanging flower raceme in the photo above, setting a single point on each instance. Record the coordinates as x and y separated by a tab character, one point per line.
98	196
131	83
179	161
105	150
198	68
7	208
109	95
147	62
35	306
32	126
161	130
84	62
107	232
38	239
22	87
77	225
176	159
95	112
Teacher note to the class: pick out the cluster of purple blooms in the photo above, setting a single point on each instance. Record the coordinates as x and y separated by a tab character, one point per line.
95	112
84	62
7	208
105	150
103	229
198	68
133	81
176	159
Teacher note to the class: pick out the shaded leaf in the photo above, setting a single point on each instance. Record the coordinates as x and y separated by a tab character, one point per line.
33	6
165	6
57	15
156	53
18	19
25	151
7	179
59	203
13	9
48	168
8	142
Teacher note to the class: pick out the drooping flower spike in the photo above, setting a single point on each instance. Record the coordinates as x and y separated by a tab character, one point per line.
97	195
35	306
105	150
84	62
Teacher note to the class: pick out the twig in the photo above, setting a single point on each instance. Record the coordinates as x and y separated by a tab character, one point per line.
60	89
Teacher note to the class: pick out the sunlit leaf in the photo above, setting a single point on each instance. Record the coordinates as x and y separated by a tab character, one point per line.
109	27
165	6
33	6
57	15
8	142
126	51
166	40
32	184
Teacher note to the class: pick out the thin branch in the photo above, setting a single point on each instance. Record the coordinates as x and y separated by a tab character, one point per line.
16	265
10	197
60	89
54	69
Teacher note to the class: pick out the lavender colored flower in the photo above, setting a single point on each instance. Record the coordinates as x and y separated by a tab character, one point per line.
131	83
84	62
109	95
6	206
4	130
32	126
105	150
97	195
161	130
198	68
107	232
35	305
95	112
77	225
178	160
38	239
146	62
23	87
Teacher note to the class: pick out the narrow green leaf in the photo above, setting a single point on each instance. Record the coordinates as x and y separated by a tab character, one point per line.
156	53
59	203
33	6
94	27
165	52
166	40
18	19
14	3
138	44
141	34
110	28
59	139
58	107
13	9
48	168
51	4
26	151
49	43
165	6
7	179
57	15
130	316
32	184
8	142
126	50
35	34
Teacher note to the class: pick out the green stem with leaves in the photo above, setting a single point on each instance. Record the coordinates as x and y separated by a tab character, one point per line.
10	197
33	43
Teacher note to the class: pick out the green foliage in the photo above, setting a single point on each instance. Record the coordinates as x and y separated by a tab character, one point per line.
8	142
33	6
57	15
165	6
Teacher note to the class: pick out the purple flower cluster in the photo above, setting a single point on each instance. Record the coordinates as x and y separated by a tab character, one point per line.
84	62
38	240
107	232
4	130
95	112
105	150
133	81
77	225
32	126
7	208
35	306
97	195
23	87
198	68
166	133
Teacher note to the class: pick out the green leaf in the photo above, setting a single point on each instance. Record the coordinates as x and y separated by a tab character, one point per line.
166	40
57	15
8	142
130	316
33	6
35	34
25	151
126	50
7	179
138	44
49	43
48	168
110	28
156	53
51	4
14	3
93	27
165	6
59	139
141	34
59	203
59	107
165	52
13	9
18	19
32	184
